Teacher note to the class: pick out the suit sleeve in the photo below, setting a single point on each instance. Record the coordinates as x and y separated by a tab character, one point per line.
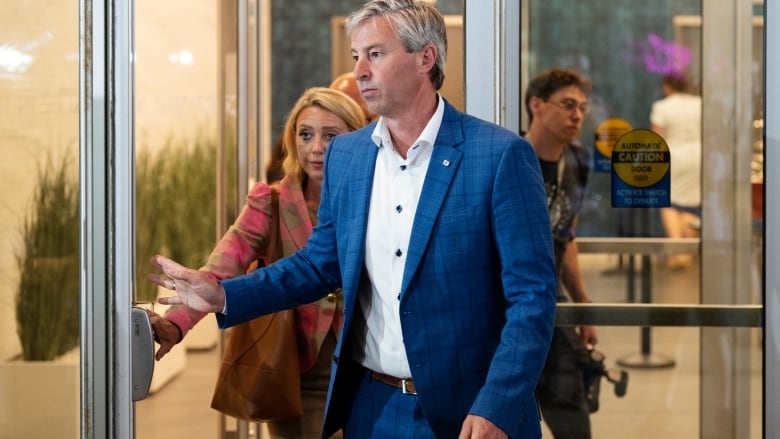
303	277
522	235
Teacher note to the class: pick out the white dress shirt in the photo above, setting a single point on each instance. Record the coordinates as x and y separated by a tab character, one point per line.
394	197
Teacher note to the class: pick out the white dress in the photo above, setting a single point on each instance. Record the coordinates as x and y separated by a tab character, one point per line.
679	115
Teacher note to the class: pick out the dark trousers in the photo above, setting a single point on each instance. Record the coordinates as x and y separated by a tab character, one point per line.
561	391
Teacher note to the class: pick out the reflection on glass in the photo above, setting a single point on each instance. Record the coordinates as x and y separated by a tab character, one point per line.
176	131
176	134
39	221
626	50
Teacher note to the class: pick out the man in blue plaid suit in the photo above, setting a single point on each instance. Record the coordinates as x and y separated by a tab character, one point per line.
435	225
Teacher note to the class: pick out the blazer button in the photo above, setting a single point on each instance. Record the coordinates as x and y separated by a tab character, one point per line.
331	297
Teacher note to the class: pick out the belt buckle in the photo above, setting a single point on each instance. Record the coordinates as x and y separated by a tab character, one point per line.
404	390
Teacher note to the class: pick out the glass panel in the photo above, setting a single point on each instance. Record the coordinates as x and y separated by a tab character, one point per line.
39	219
681	379
626	51
176	132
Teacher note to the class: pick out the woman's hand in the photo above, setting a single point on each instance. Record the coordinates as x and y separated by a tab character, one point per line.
166	333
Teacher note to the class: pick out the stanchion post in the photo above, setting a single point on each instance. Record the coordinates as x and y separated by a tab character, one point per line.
631	279
645	359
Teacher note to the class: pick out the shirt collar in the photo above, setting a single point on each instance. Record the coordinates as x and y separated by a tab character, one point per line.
381	136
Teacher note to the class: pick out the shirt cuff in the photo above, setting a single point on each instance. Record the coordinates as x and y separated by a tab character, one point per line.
224	306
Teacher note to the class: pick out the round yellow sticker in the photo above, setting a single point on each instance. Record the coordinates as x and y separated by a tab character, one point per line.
640	158
608	132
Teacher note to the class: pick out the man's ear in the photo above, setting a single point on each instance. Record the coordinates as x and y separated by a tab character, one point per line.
427	59
534	102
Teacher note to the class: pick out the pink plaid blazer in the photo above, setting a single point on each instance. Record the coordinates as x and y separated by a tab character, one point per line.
246	241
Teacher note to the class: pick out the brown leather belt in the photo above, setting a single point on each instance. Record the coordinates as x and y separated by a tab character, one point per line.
405	384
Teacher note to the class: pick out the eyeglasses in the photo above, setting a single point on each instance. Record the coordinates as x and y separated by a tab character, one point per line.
570	105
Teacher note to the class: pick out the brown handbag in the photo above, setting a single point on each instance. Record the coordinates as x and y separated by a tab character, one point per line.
259	379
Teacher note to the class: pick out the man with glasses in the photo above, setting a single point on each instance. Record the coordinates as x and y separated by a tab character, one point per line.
557	104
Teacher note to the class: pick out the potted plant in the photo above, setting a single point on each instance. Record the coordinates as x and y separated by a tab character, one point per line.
47	310
175	206
47	300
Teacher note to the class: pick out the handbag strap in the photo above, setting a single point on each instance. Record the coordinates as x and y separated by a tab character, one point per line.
273	250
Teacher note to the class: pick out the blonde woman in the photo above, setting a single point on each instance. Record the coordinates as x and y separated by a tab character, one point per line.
317	117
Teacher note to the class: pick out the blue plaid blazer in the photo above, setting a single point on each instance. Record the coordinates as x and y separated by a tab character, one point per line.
478	294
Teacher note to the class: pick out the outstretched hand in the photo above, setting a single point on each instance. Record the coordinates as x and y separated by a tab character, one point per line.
193	288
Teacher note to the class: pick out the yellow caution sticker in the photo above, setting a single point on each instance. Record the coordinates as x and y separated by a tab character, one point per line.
606	134
640	170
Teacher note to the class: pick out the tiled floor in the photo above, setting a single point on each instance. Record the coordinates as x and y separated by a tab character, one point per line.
181	409
659	403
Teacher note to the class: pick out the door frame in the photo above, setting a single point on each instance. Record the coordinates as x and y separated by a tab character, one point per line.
106	184
771	246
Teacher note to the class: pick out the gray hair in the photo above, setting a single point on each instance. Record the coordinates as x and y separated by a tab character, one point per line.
416	23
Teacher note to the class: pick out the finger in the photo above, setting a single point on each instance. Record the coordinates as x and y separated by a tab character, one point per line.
155	263
163	281
164	349
170	300
169	266
465	429
157	279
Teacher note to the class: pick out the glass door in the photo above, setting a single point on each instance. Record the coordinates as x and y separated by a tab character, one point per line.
184	111
688	334
201	94
39	220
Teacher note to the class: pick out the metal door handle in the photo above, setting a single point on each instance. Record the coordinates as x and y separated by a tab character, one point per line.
141	353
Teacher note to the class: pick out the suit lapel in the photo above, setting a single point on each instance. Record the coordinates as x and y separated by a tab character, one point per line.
357	184
444	163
